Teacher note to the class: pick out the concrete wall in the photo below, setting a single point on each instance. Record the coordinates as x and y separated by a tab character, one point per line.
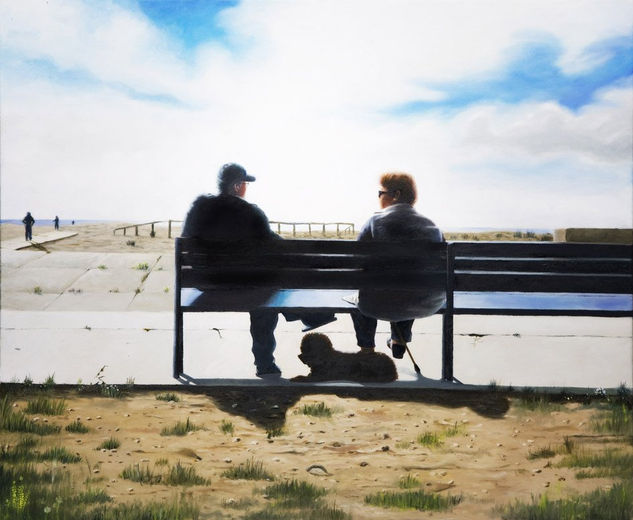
594	235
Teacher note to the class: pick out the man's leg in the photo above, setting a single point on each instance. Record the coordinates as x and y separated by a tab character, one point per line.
263	325
365	328
401	331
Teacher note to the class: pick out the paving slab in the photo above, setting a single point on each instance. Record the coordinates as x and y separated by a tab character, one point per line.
102	281
79	302
11	258
49	280
68	259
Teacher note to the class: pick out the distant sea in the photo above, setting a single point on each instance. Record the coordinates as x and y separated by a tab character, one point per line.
49	222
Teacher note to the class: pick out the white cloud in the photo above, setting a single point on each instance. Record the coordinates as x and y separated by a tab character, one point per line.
301	106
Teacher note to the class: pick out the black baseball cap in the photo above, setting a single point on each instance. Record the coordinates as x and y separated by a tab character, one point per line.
231	173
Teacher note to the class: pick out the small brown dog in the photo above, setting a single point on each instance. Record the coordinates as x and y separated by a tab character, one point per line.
327	364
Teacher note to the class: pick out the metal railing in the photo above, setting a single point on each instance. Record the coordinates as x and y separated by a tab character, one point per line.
342	228
152	232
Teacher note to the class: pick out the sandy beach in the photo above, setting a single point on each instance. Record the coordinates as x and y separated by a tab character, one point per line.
487	449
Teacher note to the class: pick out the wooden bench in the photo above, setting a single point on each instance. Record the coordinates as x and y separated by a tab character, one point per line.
500	278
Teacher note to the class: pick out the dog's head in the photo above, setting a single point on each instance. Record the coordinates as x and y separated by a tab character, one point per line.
315	349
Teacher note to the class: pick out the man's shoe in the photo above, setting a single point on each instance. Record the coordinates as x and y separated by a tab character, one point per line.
319	322
397	350
271	372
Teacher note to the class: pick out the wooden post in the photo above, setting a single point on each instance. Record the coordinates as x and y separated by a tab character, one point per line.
152	234
309	229
294	230
124	231
279	228
447	320
169	229
338	233
135	231
323	229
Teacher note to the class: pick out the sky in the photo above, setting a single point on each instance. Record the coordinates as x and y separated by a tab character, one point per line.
508	113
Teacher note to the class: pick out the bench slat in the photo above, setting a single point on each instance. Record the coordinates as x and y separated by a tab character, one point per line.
541	282
549	265
540	250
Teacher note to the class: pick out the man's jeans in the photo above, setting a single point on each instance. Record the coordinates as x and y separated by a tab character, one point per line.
365	328
263	323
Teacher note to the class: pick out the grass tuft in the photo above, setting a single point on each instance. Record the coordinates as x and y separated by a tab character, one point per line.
180	428
542	453
429	439
227	427
168	396
408	482
77	427
180	475
144	475
295	493
110	444
16	421
46	406
533	402
316	410
413	500
249	470
613	504
609	463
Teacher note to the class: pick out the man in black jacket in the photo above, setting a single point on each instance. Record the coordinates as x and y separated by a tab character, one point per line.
228	216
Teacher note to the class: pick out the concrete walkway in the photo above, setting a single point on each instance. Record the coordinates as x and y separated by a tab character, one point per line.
68	314
37	240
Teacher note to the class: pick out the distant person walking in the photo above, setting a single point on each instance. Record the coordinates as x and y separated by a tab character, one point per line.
56	222
28	222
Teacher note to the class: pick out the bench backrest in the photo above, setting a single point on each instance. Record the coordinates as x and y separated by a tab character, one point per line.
540	267
309	264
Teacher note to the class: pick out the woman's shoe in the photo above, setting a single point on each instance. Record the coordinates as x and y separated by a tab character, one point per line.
397	350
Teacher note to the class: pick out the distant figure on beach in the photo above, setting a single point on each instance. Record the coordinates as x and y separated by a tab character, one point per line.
56	222
398	221
228	216
28	222
73	223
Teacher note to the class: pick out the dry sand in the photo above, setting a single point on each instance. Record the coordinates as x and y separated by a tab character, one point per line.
367	446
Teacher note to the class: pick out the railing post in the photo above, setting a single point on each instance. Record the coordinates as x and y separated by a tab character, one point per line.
294	230
169	229
152	234
323	229
135	231
447	321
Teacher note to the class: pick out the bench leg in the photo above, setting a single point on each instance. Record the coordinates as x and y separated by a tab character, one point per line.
447	347
178	343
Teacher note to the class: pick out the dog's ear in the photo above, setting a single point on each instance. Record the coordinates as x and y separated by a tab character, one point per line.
315	342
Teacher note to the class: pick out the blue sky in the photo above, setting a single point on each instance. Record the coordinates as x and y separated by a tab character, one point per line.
508	114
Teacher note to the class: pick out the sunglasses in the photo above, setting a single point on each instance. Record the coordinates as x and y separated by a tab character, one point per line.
381	193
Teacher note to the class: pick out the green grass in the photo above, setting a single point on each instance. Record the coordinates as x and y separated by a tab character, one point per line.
616	420
110	444
319	512
316	410
144	475
168	396
77	427
413	500
37	290
103	267
429	439
144	266
180	428
60	454
613	504
249	470
531	401
408	482
162	462
542	453
49	382
29	494
608	463
227	427
16	421
46	406
184	476
275	431
294	493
